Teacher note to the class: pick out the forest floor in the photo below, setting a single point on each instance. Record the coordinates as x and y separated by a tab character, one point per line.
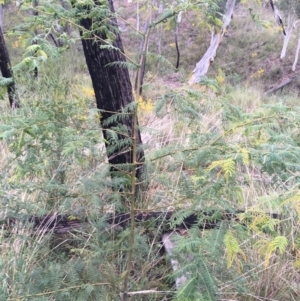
222	145
249	53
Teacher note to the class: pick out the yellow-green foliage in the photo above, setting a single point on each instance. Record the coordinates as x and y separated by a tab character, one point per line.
226	166
268	248
294	203
259	73
245	155
233	249
260	221
220	78
145	105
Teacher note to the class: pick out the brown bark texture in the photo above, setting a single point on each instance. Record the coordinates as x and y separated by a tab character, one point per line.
113	91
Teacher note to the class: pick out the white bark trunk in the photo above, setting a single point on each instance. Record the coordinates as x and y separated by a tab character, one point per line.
1	17
137	15
296	56
277	16
169	245
288	35
216	38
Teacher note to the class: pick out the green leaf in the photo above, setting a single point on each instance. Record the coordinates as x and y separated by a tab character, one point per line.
32	50
5	81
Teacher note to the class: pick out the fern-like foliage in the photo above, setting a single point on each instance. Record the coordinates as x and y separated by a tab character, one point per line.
226	166
4	81
268	248
216	157
233	249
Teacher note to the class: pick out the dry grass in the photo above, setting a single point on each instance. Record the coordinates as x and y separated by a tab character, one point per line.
278	281
4	154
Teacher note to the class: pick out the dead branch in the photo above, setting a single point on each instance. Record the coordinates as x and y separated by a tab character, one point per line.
280	86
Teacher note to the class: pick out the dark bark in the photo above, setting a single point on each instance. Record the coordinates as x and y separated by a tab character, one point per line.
113	91
60	224
277	17
56	43
5	67
177	46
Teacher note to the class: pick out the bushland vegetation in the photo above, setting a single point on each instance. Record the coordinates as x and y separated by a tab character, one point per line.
230	143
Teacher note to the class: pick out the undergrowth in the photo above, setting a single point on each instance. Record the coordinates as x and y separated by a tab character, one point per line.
213	148
223	154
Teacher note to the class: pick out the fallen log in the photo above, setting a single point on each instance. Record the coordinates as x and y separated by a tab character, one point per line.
60	224
280	85
170	220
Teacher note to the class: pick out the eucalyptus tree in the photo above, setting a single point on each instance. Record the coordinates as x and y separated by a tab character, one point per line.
291	12
108	67
1	16
218	30
106	61
296	56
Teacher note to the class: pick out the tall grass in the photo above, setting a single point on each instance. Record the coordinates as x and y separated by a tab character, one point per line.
53	160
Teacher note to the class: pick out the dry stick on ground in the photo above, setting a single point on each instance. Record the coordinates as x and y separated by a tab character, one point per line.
216	38
280	86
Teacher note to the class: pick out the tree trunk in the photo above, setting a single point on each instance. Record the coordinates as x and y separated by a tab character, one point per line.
277	16
35	3
178	20
1	17
216	38
67	6
113	92
296	56
5	67
288	35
